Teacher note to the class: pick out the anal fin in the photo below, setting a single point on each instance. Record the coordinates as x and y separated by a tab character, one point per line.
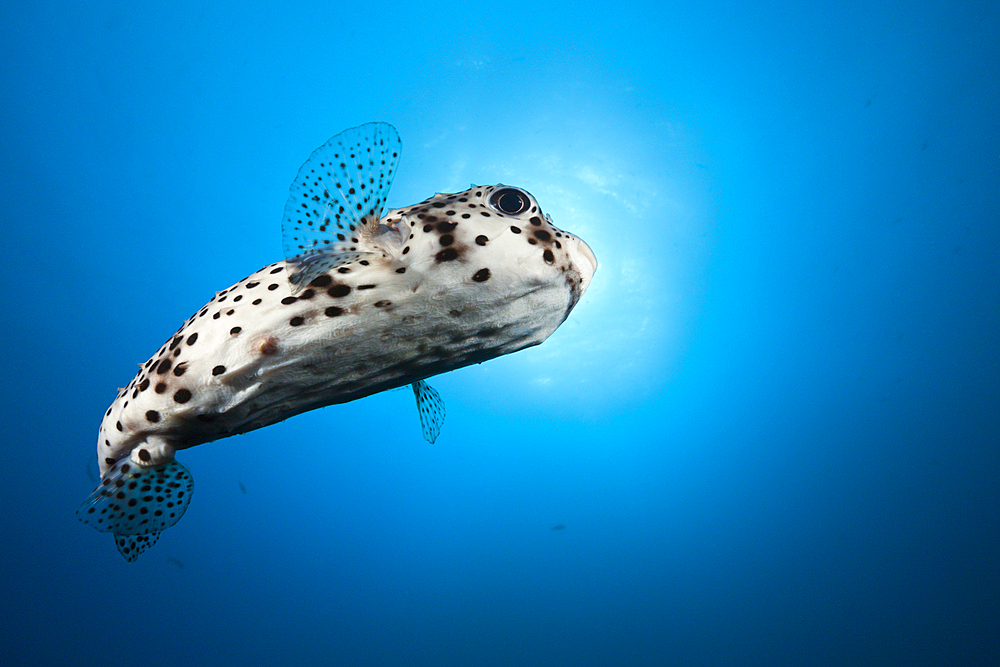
130	546
430	406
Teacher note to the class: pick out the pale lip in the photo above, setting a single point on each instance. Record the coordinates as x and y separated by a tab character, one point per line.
588	253
585	275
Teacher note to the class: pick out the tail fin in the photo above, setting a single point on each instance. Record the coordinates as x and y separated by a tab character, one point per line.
138	503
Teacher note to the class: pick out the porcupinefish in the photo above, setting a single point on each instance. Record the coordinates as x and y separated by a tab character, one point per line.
362	303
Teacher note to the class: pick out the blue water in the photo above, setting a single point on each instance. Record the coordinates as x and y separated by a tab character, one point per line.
770	428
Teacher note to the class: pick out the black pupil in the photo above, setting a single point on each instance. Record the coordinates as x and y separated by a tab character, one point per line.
510	202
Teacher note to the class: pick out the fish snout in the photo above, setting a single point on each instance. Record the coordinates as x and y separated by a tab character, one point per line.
589	254
586	265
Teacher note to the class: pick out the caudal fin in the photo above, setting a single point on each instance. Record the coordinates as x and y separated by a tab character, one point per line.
137	503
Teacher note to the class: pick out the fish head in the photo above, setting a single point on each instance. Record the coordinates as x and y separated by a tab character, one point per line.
493	243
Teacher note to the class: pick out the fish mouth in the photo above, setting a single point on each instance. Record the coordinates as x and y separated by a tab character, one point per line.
589	254
583	272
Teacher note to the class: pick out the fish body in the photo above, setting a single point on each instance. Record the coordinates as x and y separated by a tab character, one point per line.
361	304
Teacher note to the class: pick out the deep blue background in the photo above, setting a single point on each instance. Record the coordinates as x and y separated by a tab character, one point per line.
770	427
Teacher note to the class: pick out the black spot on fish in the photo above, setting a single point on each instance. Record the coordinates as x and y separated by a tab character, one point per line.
446	255
339	290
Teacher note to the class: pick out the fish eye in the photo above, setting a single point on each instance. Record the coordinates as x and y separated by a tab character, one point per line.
510	201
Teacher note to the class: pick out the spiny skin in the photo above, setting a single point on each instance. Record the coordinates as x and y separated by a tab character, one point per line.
363	303
462	283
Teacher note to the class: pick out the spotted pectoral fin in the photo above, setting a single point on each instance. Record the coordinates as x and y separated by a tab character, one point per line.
310	265
336	201
431	409
138	502
130	546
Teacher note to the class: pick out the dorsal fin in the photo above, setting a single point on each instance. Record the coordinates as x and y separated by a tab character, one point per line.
336	201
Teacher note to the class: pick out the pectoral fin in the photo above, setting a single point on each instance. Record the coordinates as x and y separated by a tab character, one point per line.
431	409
